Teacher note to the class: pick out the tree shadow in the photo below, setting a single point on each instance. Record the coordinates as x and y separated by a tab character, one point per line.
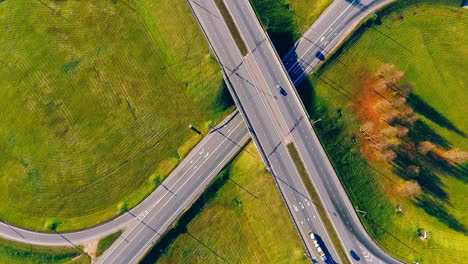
440	212
412	164
456	170
423	108
420	132
429	182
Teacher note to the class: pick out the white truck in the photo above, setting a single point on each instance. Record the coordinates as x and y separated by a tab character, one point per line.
317	246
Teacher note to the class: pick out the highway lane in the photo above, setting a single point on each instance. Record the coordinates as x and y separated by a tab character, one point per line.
188	181
305	50
127	219
288	110
269	133
325	35
232	128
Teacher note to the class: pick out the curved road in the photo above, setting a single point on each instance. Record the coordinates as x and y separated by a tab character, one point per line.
192	175
323	36
275	120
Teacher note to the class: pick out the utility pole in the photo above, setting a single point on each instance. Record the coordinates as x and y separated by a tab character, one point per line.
196	130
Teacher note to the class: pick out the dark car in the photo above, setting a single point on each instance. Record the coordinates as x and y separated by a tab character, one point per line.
354	255
281	90
319	55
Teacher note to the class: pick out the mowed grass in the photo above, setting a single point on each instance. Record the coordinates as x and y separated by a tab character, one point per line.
246	221
286	20
428	43
307	11
19	253
96	98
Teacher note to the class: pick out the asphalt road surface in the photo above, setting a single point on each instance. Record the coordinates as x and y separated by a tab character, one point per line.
185	184
275	119
174	195
332	27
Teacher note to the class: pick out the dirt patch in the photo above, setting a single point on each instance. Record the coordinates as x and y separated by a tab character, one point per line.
91	247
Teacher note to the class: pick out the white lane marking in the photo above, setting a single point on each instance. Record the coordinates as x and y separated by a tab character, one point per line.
162	197
142	248
367	255
142	215
309	65
341	14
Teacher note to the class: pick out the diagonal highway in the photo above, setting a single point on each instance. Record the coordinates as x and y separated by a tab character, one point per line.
185	184
165	204
258	103
275	120
323	36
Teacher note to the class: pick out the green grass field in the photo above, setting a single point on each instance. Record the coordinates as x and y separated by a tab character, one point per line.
18	253
96	99
244	221
306	11
286	20
428	43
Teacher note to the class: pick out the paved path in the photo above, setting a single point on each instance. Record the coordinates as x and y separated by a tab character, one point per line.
275	119
139	215
192	175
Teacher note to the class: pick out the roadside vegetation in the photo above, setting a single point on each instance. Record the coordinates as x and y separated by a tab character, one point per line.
391	101
96	101
286	20
241	218
106	242
18	253
392	104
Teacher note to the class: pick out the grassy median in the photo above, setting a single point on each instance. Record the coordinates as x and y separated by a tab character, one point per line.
96	101
317	202
242	220
232	27
107	242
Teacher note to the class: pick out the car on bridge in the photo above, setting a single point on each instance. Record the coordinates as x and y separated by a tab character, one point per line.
281	90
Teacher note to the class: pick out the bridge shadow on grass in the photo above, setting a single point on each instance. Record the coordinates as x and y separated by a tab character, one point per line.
439	211
224	98
282	40
161	248
422	107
